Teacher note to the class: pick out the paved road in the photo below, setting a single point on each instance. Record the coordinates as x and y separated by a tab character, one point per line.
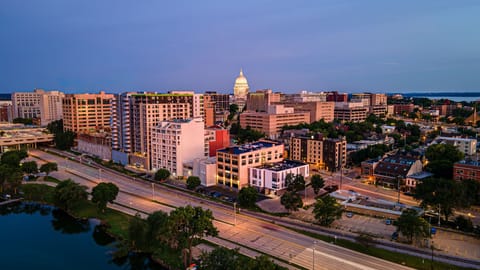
250	232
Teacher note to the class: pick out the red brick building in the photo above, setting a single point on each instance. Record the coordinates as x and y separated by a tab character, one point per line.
464	170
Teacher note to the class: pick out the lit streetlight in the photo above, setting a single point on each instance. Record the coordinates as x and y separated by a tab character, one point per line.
235	214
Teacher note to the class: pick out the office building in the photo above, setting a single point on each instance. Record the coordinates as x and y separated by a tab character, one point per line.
272	121
44	106
465	145
318	110
85	113
350	111
233	162
259	100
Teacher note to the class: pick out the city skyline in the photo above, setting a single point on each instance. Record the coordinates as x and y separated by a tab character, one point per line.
317	46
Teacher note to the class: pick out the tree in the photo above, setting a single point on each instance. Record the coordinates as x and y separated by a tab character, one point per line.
161	175
193	182
10	177
441	192
104	193
64	140
247	197
317	183
410	225
294	182
233	109
327	210
291	201
188	224
30	167
68	194
443	152
13	158
221	258
440	168
469	193
49	167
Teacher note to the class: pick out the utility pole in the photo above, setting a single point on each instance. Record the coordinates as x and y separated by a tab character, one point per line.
398	187
235	213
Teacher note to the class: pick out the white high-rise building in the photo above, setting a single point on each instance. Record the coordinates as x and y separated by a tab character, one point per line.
45	106
176	142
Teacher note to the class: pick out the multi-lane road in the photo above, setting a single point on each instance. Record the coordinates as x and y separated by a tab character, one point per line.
247	231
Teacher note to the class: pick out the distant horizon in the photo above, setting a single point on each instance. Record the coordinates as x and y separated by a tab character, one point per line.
350	46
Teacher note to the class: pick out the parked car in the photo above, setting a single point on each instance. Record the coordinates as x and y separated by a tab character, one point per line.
349	214
388	221
331	188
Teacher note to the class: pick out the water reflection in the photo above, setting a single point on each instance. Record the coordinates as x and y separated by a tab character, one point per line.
65	223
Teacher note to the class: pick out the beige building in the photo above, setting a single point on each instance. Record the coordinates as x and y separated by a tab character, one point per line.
175	142
95	144
259	100
350	111
272	121
46	106
318	110
233	162
203	168
85	113
320	153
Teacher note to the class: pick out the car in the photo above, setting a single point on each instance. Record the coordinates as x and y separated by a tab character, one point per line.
394	235
352	191
388	221
331	188
349	214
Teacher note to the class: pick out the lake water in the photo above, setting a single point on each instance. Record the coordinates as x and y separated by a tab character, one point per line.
35	236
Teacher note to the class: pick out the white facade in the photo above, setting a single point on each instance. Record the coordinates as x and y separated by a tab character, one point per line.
204	168
176	142
464	145
45	105
272	176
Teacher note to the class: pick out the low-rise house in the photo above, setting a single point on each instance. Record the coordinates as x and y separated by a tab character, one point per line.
466	169
392	171
270	178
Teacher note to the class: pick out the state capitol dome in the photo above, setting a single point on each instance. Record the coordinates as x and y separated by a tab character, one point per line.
240	89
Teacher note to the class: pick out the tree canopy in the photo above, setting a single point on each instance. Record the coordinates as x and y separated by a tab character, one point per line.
161	174
222	258
30	167
104	193
291	201
247	197
68	194
441	192
317	183
49	167
410	225
294	182
327	210
193	182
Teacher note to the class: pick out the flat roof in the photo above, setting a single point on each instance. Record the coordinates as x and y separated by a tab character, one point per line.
282	165
250	147
469	162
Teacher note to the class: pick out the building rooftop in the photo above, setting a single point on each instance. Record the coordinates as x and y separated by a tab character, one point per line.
421	175
283	165
245	148
469	162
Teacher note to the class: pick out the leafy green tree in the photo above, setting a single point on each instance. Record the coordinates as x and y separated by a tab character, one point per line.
464	224
10	177
440	168
68	194
64	140
441	192
248	135
222	258
13	158
327	210
25	121
469	193
443	152
294	182
161	175
233	109
49	167
193	182
189	224
247	197
291	201
317	183
104	193
410	225
136	235
30	167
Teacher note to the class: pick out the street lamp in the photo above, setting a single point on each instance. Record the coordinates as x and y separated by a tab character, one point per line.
235	214
313	259
153	191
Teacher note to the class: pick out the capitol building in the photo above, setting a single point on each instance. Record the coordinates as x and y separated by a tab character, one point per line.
240	90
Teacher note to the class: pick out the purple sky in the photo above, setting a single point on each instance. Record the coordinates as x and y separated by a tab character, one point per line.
151	45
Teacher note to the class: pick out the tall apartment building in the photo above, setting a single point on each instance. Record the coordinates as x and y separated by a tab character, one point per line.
221	101
120	122
233	162
176	142
350	111
319	152
85	113
45	106
259	100
271	122
197	104
148	110
6	111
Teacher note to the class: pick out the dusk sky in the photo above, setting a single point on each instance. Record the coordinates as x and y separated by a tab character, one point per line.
152	45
